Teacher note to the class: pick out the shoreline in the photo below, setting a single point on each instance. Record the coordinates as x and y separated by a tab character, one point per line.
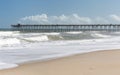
93	63
62	57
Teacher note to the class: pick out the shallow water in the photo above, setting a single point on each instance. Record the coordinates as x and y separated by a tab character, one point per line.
16	47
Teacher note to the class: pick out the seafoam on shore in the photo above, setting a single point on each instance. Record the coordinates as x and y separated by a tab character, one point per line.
17	48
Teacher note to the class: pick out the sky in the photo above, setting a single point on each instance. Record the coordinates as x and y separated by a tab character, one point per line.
59	12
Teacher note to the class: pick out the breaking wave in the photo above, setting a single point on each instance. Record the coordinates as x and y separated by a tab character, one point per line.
37	38
10	38
6	65
9	41
17	47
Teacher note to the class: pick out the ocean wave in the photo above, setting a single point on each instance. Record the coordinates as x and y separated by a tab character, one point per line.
37	38
8	38
9	41
20	47
99	35
75	32
8	33
7	65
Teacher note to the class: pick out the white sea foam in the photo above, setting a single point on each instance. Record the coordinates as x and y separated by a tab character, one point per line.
37	38
9	41
74	32
49	49
100	35
7	33
51	33
6	65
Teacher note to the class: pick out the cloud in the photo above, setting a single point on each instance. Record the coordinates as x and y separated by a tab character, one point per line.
62	19
69	19
115	17
35	19
100	20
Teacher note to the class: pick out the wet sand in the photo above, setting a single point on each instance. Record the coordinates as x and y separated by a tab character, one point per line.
93	63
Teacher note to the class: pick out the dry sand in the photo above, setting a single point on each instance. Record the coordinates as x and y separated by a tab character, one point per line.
93	63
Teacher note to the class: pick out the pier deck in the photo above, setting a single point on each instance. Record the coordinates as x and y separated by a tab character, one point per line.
66	27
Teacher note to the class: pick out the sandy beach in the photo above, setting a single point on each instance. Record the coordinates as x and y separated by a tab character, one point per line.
93	63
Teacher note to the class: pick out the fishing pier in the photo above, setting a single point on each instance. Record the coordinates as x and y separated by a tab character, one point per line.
65	27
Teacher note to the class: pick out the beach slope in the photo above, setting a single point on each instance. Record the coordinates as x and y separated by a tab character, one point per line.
93	63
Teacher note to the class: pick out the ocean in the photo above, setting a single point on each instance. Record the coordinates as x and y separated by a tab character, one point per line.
17	47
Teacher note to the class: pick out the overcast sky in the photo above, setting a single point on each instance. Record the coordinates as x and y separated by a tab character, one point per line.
59	11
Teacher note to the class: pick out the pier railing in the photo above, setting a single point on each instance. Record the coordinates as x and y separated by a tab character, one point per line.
66	27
